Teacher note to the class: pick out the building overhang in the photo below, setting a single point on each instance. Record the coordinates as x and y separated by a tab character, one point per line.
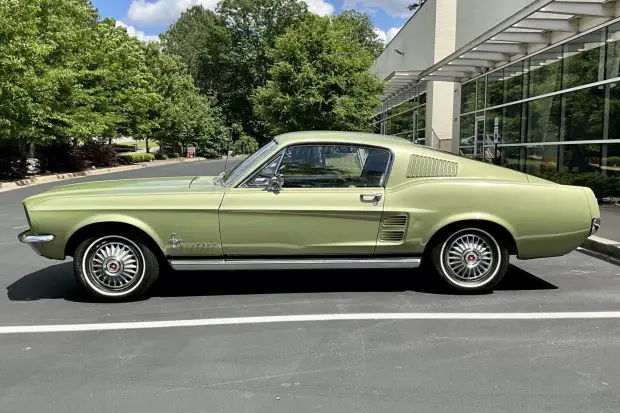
538	26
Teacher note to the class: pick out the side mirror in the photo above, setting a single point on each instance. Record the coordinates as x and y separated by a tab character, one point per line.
275	183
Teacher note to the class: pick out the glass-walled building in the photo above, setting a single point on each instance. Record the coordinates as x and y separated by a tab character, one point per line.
406	119
558	110
532	85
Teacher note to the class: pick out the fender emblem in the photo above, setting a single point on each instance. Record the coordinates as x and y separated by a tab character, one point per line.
174	241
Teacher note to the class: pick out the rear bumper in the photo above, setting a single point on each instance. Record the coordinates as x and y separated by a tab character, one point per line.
596	225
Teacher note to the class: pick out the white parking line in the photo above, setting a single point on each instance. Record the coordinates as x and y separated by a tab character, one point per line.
139	325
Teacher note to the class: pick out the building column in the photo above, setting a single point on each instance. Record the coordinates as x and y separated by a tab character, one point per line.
440	95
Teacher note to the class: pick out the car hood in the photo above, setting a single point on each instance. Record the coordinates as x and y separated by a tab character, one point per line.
123	187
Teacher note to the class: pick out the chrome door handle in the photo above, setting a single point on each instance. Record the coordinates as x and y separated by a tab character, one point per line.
370	198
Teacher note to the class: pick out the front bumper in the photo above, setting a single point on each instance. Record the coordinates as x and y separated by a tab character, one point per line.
27	237
596	225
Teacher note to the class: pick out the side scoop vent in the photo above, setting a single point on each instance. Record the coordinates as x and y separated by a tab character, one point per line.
393	228
427	167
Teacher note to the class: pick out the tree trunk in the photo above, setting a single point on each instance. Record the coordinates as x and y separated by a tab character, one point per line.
31	149
146	141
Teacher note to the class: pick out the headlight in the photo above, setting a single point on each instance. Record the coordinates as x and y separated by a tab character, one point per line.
596	225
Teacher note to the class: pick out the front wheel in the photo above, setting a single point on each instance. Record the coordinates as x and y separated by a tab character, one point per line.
115	267
470	260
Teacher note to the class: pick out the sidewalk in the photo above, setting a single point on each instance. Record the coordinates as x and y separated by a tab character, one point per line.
606	242
42	179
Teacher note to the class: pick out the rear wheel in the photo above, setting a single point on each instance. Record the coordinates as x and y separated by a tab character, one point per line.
115	267
470	259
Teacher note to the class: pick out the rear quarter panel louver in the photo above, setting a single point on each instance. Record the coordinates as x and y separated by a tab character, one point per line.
428	167
394	228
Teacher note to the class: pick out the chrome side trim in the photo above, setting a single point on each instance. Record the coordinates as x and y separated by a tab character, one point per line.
293	264
33	239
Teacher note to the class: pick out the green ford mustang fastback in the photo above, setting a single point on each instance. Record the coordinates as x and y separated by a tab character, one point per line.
313	200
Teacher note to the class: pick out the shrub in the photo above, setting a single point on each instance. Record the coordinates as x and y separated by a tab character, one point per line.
175	155
245	145
613	161
161	156
100	155
132	158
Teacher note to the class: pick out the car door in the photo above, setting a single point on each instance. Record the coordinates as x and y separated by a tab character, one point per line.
308	200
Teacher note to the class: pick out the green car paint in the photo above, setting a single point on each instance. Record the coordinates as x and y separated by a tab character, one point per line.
425	191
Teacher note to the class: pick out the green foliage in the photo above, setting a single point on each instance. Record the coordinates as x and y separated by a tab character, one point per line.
131	158
175	155
161	156
320	80
246	145
613	161
604	186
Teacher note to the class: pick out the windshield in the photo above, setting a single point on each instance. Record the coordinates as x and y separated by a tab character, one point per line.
234	173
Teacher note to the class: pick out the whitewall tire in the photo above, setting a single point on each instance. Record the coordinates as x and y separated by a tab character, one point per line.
470	259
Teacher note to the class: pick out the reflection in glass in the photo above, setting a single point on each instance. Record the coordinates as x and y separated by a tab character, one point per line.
546	72
541	159
468	97
584	114
511	157
544	119
515	77
495	88
613	51
584	60
581	158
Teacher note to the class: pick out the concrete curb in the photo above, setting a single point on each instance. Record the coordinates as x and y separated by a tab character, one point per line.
8	186
603	246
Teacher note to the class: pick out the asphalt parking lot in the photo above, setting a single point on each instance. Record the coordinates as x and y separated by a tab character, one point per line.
441	363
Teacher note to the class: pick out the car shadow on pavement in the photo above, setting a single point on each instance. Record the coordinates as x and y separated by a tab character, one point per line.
58	282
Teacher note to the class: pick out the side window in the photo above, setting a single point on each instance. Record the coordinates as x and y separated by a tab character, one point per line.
262	178
334	166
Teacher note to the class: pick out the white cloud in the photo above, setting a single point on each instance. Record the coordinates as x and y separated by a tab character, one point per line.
133	32
163	12
386	37
397	8
166	12
320	7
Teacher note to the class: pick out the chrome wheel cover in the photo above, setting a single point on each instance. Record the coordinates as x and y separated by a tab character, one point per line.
470	258
113	265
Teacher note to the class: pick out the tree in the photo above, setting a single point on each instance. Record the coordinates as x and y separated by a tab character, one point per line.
184	116
227	51
358	27
319	80
40	65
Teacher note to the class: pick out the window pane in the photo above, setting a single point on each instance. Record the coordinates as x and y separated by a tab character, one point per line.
541	159
544	120
613	51
496	88
491	117
334	166
422	117
546	72
514	79
402	122
467	130
511	157
612	159
584	60
581	158
614	111
468	97
511	124
584	114
482	93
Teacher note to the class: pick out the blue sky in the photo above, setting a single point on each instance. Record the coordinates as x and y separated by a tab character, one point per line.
147	18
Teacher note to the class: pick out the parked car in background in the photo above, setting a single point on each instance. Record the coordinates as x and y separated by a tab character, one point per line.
313	200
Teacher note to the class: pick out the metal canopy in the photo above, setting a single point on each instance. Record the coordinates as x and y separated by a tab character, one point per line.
536	27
